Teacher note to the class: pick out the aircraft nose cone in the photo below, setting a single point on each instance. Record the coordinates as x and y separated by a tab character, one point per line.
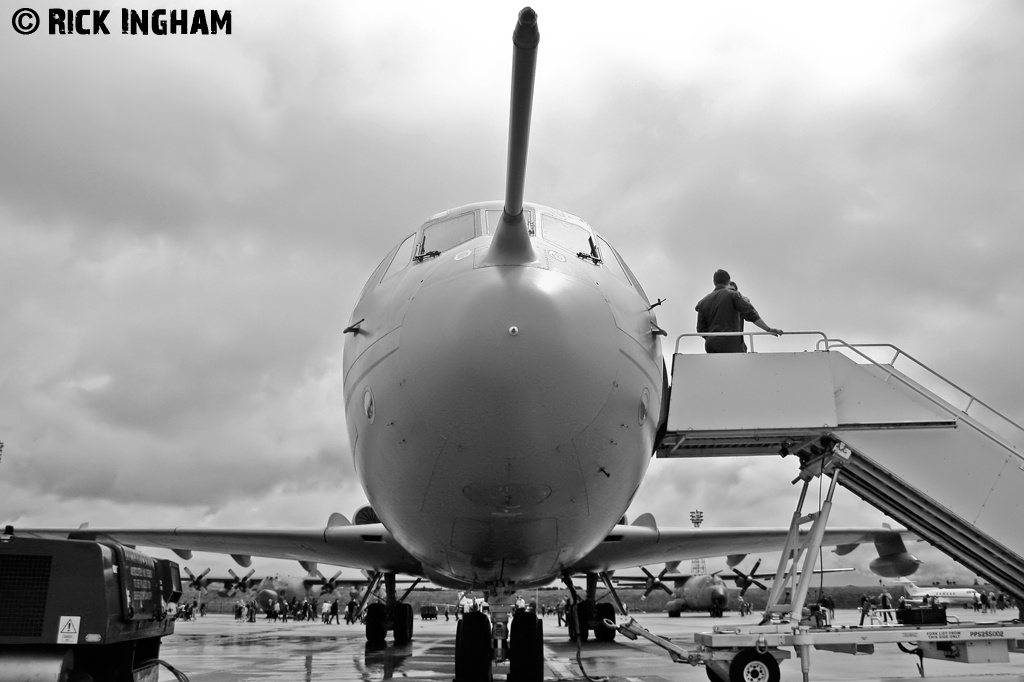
515	355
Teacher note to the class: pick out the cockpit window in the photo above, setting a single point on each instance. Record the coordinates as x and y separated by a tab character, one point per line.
449	233
402	257
610	260
493	217
632	277
573	237
378	271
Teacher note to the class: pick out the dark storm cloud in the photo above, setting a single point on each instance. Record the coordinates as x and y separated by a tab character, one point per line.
189	231
179	362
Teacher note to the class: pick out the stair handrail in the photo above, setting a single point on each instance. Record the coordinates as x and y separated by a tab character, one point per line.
891	371
679	339
826	344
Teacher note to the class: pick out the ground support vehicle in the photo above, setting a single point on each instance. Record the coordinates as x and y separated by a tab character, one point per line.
82	609
753	653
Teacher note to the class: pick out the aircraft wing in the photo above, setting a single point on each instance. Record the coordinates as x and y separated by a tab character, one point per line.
367	546
631	546
371	547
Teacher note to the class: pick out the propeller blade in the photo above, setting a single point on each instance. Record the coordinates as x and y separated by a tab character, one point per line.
245	583
755	581
196	582
653	582
744	581
315	577
235	584
650	582
331	584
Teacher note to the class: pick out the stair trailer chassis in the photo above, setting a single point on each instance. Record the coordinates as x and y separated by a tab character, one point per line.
753	653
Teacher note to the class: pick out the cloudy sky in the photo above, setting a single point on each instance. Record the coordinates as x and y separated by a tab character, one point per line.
186	221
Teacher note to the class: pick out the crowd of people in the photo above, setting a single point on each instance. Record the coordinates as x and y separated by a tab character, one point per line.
246	610
467	604
990	602
186	611
282	610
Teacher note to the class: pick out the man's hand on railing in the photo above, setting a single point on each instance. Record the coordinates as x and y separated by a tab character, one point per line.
764	325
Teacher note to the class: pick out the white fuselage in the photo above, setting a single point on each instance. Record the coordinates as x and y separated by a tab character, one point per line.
943	595
501	417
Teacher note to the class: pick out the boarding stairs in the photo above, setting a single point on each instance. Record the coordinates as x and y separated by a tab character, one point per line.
953	475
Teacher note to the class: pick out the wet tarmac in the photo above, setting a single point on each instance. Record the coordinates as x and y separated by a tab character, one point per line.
216	648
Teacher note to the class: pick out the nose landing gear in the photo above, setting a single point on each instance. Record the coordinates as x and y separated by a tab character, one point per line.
515	635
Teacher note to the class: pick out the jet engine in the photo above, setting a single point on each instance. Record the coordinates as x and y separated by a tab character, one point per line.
365	515
895	565
894	561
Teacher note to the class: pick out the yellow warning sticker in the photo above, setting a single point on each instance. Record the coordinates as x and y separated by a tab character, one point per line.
67	631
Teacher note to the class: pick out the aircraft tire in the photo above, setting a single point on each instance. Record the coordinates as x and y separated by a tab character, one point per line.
673	614
526	652
749	665
602	632
376	624
403	623
473	648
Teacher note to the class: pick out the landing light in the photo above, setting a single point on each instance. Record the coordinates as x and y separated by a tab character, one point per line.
368	407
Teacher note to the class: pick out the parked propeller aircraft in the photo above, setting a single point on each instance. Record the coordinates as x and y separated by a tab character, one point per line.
270	589
274	589
504	392
312	584
705	592
230	585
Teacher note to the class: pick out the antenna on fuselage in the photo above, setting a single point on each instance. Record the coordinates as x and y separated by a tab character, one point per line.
511	243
